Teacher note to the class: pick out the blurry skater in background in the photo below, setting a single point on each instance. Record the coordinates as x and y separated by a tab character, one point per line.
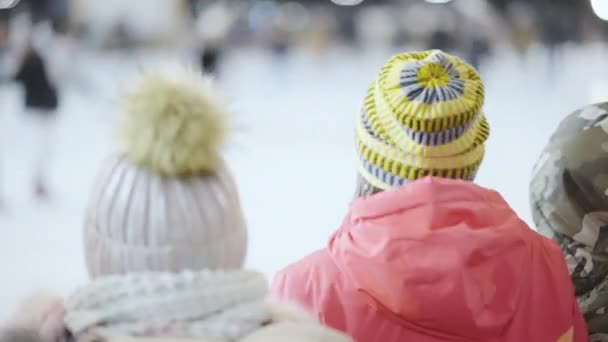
23	63
41	101
39	56
521	19
213	26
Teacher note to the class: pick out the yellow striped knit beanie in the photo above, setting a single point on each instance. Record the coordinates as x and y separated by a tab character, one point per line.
422	117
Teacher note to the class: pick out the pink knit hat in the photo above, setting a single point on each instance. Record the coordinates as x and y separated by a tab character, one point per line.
167	201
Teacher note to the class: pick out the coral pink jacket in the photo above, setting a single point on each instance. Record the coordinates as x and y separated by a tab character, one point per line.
437	260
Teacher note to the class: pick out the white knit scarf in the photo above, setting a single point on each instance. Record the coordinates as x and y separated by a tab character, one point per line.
217	306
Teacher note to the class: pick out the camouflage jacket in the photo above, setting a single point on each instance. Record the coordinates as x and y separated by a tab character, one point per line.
569	198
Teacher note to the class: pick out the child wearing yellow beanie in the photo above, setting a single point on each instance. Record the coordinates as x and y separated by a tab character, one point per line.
423	253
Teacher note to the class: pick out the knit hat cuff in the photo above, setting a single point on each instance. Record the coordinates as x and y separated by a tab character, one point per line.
105	256
382	179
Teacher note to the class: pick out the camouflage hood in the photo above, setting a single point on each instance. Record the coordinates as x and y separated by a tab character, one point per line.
569	198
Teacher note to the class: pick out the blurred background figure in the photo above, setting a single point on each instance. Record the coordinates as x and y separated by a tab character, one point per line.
41	100
213	25
294	72
560	23
520	16
35	59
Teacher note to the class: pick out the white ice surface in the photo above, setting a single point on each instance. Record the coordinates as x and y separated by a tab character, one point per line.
292	152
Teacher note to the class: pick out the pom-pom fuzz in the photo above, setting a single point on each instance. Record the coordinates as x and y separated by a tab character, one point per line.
174	125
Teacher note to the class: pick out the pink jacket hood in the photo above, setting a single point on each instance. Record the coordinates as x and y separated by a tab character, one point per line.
449	260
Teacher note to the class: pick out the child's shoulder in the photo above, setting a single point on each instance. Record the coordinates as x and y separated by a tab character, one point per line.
309	265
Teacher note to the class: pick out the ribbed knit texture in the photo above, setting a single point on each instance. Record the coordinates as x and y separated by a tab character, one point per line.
421	117
219	305
140	221
216	306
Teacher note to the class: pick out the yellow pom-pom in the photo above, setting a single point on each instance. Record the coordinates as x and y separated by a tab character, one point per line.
174	125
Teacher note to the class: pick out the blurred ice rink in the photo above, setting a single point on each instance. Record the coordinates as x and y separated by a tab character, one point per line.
292	149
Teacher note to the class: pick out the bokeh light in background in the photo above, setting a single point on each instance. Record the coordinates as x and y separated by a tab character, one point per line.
262	13
438	1
600	7
294	14
347	2
8	3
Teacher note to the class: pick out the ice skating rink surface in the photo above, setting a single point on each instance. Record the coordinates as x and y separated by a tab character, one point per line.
291	150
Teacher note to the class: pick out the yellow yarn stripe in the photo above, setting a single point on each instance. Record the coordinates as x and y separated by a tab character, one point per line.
401	166
430	117
413	174
467	151
391	130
